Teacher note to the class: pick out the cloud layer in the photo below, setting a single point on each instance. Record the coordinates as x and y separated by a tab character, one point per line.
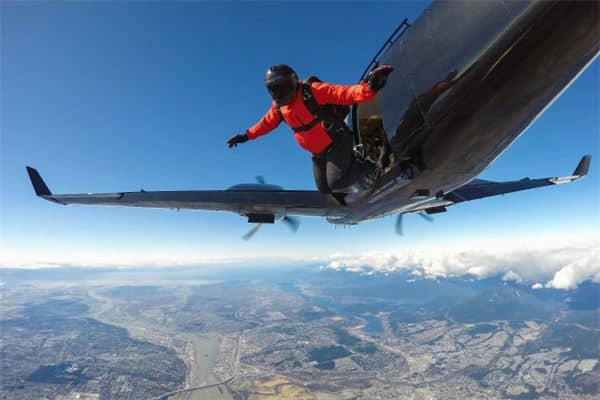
547	264
560	262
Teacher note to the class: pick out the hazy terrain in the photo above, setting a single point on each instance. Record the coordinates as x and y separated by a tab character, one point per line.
302	333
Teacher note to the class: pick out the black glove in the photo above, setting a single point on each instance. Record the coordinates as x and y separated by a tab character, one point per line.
377	78
237	139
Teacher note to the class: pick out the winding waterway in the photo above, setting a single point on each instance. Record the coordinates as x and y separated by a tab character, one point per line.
205	353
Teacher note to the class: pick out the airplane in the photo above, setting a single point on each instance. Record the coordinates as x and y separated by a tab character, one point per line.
469	78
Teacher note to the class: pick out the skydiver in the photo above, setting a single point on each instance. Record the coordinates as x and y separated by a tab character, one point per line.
321	132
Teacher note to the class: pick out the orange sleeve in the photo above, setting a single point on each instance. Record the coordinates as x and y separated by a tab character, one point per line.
270	121
327	93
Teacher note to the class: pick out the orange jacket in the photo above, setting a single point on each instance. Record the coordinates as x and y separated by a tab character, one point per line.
296	114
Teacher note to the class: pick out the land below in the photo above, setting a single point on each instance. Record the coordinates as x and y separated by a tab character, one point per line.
297	334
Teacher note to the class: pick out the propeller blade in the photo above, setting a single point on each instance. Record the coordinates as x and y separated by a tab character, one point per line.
292	223
426	216
260	179
251	232
399	225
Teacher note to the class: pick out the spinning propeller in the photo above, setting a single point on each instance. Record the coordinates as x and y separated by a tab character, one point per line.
292	222
422	214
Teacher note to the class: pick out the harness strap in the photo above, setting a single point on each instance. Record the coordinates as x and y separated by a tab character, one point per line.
310	102
311	105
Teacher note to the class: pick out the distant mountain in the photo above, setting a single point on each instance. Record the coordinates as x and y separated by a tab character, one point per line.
585	297
582	342
501	303
586	318
401	286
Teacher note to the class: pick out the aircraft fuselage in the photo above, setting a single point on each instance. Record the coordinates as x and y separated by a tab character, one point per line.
469	78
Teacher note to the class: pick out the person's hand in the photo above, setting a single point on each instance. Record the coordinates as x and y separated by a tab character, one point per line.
237	139
377	78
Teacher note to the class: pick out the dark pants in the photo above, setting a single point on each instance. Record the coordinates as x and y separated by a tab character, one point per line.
335	168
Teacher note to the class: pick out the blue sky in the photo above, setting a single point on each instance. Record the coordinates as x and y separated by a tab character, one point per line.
107	96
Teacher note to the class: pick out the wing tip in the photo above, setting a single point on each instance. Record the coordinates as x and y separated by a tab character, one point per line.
583	166
39	186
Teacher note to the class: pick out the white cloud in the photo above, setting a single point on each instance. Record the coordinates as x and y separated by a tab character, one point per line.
581	269
561	263
512	276
537	285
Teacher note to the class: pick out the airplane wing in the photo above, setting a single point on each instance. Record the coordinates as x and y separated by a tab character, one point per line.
478	188
259	202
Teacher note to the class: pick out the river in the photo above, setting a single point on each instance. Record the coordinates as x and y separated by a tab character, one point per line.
205	353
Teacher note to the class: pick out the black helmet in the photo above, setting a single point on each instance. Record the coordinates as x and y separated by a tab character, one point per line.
281	82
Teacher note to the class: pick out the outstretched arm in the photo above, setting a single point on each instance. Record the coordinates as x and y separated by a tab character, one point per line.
327	93
346	95
266	124
270	121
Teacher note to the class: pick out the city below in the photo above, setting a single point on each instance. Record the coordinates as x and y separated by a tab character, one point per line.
302	333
